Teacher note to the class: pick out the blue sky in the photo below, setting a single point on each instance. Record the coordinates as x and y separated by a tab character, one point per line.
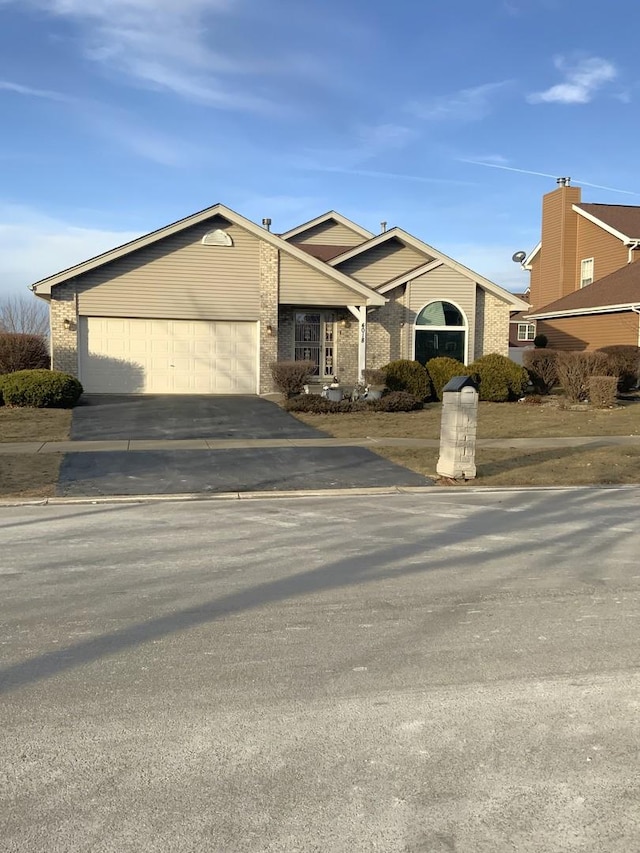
120	116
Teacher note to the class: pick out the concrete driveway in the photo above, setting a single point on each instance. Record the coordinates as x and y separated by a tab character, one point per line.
247	467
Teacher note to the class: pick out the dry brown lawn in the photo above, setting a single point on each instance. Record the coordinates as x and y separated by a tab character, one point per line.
34	424
569	466
495	420
29	475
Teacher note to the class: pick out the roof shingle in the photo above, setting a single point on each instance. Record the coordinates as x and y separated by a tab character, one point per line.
625	218
621	287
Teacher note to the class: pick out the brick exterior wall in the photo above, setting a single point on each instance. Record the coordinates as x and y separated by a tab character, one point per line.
346	343
492	325
64	342
387	331
269	274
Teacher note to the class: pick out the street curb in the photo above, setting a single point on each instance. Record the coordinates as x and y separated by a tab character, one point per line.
374	491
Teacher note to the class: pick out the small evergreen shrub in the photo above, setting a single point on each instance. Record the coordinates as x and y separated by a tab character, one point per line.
442	370
576	368
313	404
542	365
395	401
407	375
602	391
500	378
22	352
41	389
291	376
624	360
540	341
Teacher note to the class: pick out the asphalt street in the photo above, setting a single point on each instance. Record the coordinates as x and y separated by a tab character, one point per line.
421	673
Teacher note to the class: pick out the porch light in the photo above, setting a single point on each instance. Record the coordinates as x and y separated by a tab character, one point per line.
344	323
270	329
68	324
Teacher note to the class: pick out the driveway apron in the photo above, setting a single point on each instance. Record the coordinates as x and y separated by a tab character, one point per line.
241	469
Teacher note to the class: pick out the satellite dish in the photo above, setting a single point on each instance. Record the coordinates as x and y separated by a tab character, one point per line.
518	257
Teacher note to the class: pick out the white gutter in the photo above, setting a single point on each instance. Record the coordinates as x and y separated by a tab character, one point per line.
636	310
575	312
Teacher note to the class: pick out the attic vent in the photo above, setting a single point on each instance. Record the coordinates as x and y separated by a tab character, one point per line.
217	238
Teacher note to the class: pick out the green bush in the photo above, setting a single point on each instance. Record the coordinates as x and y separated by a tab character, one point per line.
500	378
410	376
442	370
20	351
314	404
41	389
624	360
542	365
374	376
290	376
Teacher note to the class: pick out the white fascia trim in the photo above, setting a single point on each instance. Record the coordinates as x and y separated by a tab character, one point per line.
42	287
602	224
526	264
325	217
408	276
435	255
579	312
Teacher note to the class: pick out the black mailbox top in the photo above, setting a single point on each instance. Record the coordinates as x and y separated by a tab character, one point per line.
460	382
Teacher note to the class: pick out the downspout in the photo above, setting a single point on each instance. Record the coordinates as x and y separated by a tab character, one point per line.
635	244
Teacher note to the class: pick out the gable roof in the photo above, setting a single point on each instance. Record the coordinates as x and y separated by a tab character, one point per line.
322	251
436	258
327	217
618	291
621	220
44	285
526	264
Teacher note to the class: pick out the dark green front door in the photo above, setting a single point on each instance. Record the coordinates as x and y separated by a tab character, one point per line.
434	344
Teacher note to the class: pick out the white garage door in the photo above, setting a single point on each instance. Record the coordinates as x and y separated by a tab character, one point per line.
135	356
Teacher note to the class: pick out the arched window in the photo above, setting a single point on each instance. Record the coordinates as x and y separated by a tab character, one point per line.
217	238
440	330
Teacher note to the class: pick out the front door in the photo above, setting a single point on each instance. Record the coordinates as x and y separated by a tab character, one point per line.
314	340
431	344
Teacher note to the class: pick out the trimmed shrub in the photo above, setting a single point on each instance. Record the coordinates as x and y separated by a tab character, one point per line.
540	341
441	370
22	352
407	375
542	365
291	376
500	378
397	401
374	376
41	389
576	368
624	360
602	391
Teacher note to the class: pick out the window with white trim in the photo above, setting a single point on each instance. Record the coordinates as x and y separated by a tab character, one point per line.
586	271
526	331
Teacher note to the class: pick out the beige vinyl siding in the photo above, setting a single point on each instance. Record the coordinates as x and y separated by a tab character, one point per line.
448	285
179	278
329	234
383	263
590	331
303	285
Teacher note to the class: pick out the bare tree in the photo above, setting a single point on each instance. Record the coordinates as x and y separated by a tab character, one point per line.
24	314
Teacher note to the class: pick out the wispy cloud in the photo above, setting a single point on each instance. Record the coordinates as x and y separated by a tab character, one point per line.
470	104
582	79
31	92
163	45
395	176
33	245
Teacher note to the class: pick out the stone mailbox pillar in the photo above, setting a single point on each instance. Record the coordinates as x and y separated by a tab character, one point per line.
458	429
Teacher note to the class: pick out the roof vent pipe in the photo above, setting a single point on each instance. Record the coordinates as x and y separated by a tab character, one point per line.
563	182
267	223
383	227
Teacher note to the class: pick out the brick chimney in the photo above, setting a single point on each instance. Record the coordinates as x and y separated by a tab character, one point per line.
559	245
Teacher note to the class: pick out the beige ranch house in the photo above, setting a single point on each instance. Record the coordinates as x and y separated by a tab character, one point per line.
203	306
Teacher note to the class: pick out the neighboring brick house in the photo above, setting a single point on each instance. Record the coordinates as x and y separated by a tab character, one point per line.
584	275
206	304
